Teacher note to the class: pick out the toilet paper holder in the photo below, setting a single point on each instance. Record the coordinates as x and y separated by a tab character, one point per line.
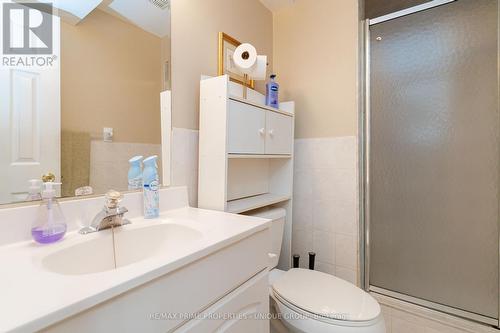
251	65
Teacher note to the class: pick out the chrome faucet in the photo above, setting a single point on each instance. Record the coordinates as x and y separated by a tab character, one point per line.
112	215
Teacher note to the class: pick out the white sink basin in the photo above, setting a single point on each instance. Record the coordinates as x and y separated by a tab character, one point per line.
131	245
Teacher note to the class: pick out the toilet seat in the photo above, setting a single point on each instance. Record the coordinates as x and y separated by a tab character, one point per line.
311	301
308	316
297	321
325	295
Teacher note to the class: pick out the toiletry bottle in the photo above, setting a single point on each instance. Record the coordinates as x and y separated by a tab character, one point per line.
50	224
34	193
151	188
135	173
272	92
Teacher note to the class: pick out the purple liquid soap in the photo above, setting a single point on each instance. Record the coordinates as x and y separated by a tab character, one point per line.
47	235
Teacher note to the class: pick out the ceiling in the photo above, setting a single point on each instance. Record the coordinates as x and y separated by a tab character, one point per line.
145	15
141	13
77	8
276	5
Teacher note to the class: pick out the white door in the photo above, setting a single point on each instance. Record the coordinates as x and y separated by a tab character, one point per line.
30	123
246	129
279	131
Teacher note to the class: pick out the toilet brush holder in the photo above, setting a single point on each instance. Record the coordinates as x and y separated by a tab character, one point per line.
312	257
296	259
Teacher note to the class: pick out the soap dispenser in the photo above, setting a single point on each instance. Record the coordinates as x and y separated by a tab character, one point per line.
272	92
34	193
151	187
50	224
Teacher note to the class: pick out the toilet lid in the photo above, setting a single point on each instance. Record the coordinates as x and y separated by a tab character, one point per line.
326	295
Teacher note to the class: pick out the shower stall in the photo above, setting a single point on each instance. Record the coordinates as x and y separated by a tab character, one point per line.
430	195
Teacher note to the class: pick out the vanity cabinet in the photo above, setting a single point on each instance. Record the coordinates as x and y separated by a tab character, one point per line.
232	280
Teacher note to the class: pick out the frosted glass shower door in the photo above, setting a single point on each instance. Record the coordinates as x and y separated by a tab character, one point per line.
434	157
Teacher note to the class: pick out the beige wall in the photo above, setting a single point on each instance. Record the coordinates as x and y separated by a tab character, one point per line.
315	57
111	77
195	28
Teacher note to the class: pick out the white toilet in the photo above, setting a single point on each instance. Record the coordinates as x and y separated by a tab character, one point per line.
309	301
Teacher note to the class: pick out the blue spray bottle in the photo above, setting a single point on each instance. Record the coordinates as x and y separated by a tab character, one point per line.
151	188
272	92
135	173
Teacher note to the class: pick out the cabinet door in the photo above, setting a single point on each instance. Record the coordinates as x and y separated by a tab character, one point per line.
242	311
246	129
278	133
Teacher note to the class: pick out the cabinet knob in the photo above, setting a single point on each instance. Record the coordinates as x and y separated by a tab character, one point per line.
271	132
262	131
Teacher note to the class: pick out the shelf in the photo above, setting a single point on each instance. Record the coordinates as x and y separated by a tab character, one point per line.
258	201
262	106
258	156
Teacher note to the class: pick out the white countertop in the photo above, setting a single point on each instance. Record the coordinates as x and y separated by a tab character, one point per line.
32	297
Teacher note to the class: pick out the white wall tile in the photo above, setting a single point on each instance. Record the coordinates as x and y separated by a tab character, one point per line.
346	251
335	153
302	243
345	219
324	184
302	183
344	183
346	153
303	157
323	214
324	267
347	274
303	213
324	246
325	202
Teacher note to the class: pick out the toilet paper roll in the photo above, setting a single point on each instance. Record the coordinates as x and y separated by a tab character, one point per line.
259	69
245	58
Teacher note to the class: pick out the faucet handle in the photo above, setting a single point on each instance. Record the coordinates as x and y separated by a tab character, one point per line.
113	198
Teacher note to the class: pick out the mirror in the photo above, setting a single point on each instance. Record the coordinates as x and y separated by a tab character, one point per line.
88	92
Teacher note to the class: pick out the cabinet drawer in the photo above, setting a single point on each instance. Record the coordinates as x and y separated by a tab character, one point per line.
246	129
279	133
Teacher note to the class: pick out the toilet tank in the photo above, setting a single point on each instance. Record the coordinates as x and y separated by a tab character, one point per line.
278	216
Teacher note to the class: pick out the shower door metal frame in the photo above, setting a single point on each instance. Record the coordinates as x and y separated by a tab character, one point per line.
364	167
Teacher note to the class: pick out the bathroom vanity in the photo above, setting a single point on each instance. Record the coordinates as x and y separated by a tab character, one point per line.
190	270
